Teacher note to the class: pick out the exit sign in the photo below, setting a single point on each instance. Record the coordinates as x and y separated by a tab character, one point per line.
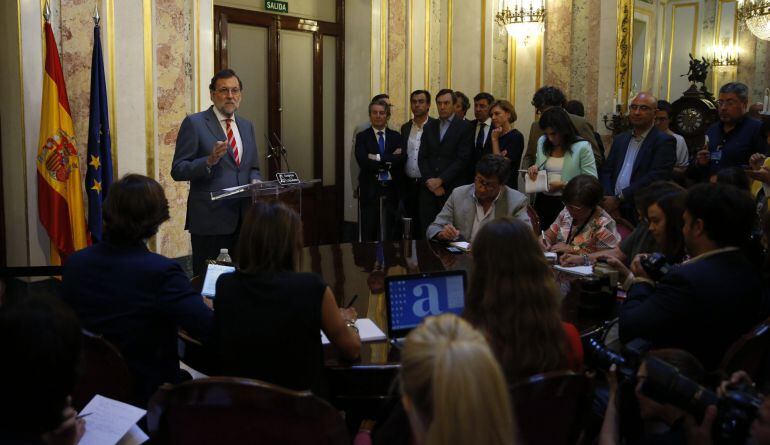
277	6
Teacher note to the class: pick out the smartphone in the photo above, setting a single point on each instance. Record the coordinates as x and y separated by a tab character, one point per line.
454	249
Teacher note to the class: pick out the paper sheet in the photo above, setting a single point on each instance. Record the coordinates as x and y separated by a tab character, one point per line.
462	245
366	329
134	436
582	271
108	421
213	271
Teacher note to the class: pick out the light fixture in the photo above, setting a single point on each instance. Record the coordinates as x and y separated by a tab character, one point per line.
723	56
522	19
756	14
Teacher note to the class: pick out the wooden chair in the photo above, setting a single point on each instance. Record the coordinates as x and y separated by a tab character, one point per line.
230	410
534	219
551	407
105	373
750	353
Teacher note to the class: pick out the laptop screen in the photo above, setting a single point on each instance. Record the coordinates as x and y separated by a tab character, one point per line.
411	298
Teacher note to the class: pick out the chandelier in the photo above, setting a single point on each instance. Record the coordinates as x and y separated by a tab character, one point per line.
756	14
522	18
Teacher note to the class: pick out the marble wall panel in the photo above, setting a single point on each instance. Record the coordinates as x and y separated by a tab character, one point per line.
173	53
558	45
397	55
73	28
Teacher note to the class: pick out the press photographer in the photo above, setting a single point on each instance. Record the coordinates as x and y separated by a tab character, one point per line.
677	409
663	218
705	304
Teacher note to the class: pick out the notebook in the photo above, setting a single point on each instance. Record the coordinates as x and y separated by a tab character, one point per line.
581	271
367	330
212	275
411	298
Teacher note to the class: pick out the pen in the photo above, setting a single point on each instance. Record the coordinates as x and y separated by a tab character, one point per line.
83	415
353	300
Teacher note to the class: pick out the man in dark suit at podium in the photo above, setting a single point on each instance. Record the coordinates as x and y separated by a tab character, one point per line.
215	149
445	151
380	157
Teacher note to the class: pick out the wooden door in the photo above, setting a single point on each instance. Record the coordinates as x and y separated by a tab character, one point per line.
293	75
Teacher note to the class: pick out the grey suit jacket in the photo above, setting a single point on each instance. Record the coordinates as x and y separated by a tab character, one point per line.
460	210
197	136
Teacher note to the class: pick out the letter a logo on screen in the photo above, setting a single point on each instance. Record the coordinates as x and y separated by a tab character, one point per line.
428	305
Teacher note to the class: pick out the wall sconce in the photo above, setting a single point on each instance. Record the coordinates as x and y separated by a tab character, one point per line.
756	14
723	56
522	19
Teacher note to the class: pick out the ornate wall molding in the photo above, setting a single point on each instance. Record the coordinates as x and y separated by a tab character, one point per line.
623	54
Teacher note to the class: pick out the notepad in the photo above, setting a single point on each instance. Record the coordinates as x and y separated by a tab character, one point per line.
540	184
367	330
583	271
109	421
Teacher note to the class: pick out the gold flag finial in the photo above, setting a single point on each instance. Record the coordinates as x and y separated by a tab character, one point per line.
47	11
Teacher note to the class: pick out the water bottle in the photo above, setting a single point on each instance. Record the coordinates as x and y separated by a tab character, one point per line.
224	256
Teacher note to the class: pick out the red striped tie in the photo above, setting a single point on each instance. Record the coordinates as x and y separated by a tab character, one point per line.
231	142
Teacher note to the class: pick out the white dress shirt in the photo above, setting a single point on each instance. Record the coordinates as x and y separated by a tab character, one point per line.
487	126
236	134
412	167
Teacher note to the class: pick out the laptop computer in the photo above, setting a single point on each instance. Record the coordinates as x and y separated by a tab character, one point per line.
411	298
213	271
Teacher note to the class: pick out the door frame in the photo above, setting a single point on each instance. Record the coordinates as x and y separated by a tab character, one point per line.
274	23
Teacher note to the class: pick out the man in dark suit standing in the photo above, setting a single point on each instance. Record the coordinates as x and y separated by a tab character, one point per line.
215	149
380	157
708	302
445	150
637	158
411	135
482	126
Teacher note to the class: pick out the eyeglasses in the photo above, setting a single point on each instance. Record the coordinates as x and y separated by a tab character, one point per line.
727	103
223	91
634	107
486	184
574	208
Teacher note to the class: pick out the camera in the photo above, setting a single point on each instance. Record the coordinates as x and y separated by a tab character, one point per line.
599	356
656	265
735	411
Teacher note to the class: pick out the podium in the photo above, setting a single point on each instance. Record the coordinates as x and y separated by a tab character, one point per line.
270	191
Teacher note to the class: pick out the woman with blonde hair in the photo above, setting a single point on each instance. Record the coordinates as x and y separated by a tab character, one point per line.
514	300
452	387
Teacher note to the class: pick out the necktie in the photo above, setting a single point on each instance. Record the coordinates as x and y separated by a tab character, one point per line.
381	143
480	137
231	142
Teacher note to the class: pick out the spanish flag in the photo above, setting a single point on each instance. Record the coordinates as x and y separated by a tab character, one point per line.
59	193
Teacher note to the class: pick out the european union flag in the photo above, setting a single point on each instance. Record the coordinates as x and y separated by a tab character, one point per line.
99	173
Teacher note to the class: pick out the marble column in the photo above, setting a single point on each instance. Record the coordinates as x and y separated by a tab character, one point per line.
558	45
174	49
